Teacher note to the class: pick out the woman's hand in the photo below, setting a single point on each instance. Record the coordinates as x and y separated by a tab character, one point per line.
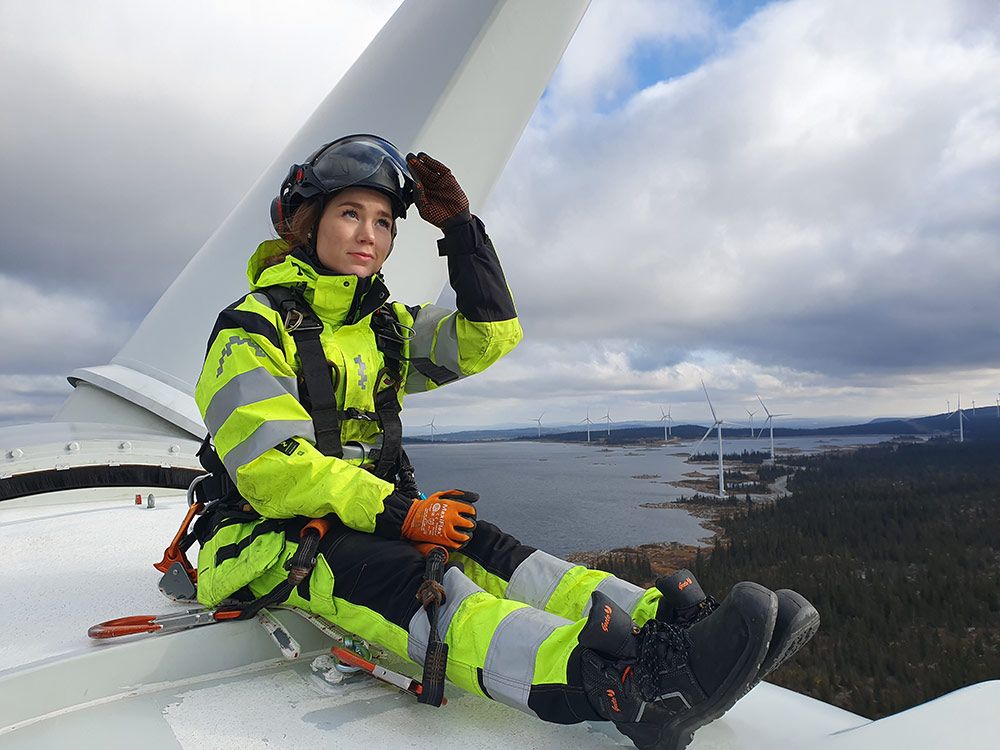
439	198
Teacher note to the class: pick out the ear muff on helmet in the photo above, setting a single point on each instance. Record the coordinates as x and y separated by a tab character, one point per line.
353	161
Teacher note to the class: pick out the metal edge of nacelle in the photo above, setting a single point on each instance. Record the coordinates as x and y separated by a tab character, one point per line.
38	459
456	79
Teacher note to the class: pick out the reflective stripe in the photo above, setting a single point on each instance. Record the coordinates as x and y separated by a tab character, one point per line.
534	580
425	326
622	593
246	388
446	346
510	660
457	588
265	437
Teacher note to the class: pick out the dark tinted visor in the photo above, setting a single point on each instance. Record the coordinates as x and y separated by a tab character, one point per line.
357	158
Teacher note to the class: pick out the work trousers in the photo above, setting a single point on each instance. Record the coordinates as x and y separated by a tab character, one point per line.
511	618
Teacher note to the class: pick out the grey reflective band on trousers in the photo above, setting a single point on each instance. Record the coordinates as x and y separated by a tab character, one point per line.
622	593
457	588
245	389
265	437
510	660
426	324
534	580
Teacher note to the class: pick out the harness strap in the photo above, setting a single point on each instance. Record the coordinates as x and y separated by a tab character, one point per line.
301	322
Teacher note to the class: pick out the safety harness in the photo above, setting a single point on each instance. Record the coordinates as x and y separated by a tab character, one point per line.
214	496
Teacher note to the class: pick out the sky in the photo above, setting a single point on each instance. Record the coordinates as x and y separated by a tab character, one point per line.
796	199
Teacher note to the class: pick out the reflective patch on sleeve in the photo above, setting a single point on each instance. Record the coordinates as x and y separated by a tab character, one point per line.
265	437
457	588
534	580
510	661
622	593
244	389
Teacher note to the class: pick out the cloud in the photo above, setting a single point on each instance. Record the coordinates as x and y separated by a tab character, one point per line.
133	129
820	195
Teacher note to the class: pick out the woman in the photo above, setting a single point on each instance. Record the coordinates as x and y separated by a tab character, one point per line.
522	626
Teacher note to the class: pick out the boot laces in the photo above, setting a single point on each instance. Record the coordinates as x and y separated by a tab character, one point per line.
696	612
663	649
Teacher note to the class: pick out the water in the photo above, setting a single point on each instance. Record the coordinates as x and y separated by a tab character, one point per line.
567	498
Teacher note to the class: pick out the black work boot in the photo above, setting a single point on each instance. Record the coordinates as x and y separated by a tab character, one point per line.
660	683
684	603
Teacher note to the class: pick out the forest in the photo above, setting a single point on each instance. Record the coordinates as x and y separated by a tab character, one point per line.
898	546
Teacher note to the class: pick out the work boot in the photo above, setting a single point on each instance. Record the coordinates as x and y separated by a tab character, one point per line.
685	603
660	683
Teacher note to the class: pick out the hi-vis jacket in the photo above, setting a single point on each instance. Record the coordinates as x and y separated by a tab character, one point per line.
248	391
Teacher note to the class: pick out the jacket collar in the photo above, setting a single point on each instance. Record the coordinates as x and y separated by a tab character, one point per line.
336	299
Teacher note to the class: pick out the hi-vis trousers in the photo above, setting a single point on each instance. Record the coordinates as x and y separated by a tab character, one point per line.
511	618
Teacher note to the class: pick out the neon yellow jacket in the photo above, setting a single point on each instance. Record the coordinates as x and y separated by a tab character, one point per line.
249	387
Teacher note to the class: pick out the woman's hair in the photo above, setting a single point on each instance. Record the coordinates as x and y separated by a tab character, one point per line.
296	230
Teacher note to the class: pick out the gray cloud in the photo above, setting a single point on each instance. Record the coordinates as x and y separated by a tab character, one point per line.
819	196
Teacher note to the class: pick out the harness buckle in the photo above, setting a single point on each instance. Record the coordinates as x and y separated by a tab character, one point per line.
296	321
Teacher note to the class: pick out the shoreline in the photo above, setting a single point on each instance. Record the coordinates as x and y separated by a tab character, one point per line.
644	563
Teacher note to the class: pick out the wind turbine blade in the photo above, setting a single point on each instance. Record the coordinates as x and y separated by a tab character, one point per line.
762	404
707	433
714	416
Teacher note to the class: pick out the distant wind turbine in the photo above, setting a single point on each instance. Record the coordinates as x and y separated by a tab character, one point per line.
589	422
750	421
431	425
769	423
998	406
962	419
717	425
607	416
668	422
539	420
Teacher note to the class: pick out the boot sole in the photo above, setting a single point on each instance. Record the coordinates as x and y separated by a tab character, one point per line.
759	607
790	634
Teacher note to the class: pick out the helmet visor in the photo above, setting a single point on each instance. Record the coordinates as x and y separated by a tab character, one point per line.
357	159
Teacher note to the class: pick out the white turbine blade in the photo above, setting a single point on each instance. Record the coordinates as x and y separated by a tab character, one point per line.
762	404
714	416
707	433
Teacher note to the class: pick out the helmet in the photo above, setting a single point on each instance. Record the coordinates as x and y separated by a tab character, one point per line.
352	161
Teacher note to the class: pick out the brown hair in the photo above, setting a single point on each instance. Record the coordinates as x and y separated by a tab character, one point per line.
296	230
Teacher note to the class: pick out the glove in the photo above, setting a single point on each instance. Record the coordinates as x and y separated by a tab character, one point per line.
445	519
439	198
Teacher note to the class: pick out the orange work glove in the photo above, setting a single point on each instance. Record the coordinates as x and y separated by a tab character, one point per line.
439	197
445	519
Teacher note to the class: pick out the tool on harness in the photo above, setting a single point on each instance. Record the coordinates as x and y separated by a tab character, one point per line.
431	594
175	621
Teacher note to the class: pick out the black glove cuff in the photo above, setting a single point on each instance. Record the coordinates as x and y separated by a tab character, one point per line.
389	523
462	235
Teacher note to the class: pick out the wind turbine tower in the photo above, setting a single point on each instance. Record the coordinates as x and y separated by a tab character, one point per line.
607	417
769	423
589	422
668	422
961	419
717	424
750	422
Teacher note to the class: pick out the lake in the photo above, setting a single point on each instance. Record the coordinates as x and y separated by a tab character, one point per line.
566	498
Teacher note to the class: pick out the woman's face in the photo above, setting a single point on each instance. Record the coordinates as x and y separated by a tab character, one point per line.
355	232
